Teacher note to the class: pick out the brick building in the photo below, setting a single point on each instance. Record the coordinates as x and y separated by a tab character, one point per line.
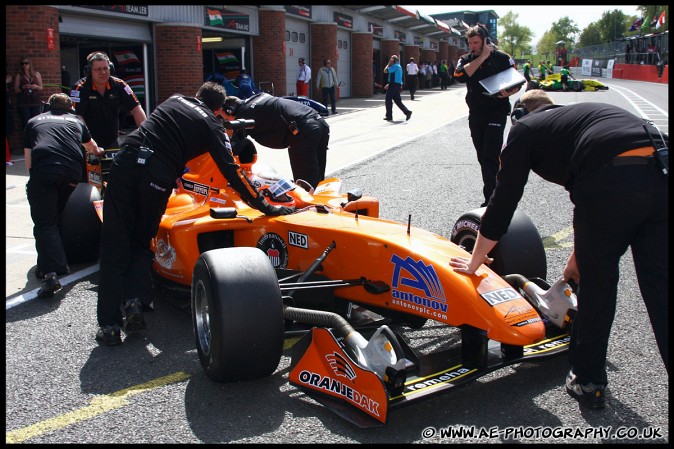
160	50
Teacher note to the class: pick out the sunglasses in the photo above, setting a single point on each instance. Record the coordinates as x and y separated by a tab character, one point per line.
25	63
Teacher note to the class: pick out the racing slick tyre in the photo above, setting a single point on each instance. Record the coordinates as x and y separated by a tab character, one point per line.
519	251
578	86
237	314
80	226
534	85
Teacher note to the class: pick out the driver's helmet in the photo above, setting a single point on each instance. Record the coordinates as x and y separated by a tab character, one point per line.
274	187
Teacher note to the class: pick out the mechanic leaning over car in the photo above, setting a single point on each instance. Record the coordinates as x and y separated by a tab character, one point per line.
283	123
142	177
53	144
487	115
603	156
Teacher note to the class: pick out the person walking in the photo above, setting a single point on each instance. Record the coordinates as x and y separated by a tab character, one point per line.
395	80
303	78
283	123
604	158
27	86
327	82
487	115
54	160
141	179
412	70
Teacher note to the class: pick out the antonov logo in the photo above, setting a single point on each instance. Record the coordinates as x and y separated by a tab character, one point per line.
415	275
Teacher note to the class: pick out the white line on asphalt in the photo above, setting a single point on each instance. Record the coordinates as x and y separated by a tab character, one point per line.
71	278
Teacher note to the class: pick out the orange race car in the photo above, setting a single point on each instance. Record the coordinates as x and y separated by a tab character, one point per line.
336	275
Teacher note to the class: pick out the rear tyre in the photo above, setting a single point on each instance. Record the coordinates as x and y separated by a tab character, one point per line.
578	86
237	314
80	226
519	251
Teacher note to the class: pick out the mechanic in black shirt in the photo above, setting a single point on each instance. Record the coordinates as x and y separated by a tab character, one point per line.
53	150
99	98
487	115
139	185
283	123
603	156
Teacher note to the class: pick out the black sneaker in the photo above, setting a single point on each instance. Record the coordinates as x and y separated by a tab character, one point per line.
134	315
50	285
40	275
388	119
109	335
408	116
590	396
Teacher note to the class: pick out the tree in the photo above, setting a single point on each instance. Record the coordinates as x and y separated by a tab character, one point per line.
514	39
591	35
565	30
612	25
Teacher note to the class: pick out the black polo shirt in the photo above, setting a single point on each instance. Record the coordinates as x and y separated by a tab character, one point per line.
101	112
56	138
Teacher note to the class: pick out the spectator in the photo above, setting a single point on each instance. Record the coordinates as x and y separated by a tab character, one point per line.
303	78
395	81
99	98
54	159
549	67
245	83
327	82
27	86
450	72
429	75
435	80
601	154
282	123
486	115
412	77
443	75
9	116
141	180
422	75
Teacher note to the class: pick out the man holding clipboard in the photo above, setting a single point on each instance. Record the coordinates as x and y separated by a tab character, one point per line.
487	113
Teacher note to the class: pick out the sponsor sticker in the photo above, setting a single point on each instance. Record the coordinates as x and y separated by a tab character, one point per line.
275	248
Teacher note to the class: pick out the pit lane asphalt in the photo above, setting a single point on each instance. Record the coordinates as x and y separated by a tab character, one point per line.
61	387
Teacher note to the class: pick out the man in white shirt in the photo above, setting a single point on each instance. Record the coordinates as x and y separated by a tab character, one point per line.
303	78
412	71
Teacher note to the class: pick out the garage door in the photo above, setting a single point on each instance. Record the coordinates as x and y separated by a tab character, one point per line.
344	62
297	46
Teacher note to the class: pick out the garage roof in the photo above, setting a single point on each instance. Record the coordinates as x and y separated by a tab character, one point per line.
408	18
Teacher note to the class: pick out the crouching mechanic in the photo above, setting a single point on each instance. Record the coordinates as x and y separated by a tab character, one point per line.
141	180
53	149
283	123
603	156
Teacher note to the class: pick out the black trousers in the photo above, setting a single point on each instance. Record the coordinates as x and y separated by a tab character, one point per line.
330	92
486	130
617	208
133	205
47	195
412	85
393	96
308	150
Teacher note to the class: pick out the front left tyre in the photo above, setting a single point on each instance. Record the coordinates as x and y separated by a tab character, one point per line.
237	314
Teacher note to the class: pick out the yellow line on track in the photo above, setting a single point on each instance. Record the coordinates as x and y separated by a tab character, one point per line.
553	241
98	406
